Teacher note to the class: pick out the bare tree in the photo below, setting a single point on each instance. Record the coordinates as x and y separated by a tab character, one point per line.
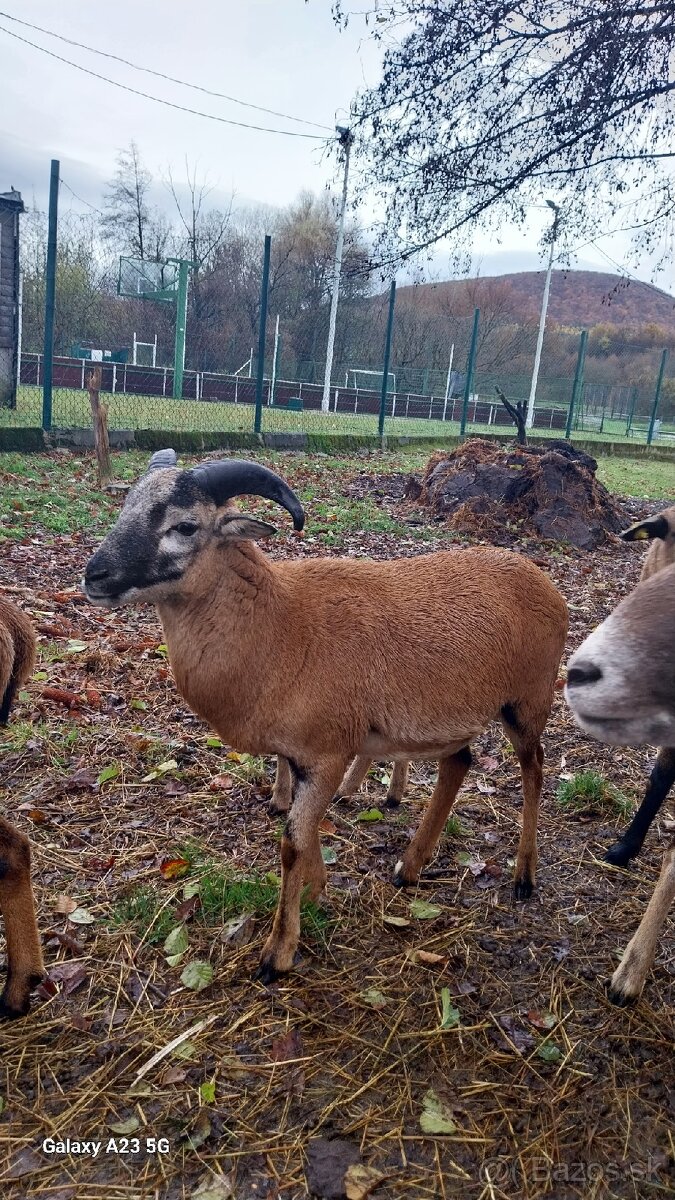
482	107
127	208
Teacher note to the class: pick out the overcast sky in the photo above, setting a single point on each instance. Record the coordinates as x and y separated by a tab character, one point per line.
281	54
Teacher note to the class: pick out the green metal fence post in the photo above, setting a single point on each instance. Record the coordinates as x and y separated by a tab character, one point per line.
578	382
50	296
387	353
470	363
181	319
657	396
262	330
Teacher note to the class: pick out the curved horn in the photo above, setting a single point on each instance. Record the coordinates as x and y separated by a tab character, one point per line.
229	477
162	458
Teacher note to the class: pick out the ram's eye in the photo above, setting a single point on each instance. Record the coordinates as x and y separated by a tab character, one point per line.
187	528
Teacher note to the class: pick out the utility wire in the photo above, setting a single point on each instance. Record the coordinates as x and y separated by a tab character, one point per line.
161	75
80	198
314	137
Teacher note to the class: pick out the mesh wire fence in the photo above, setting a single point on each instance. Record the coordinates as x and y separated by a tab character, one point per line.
132	340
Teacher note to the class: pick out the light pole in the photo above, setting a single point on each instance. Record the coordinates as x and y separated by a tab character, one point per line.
346	138
529	422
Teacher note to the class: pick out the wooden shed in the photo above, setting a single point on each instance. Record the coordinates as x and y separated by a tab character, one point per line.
11	206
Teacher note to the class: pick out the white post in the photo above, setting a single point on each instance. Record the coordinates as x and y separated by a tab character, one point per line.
448	380
250	363
19	332
346	139
274	361
82	377
114	378
134	350
154	353
529	422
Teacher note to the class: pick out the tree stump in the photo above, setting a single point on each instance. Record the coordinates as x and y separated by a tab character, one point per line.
99	414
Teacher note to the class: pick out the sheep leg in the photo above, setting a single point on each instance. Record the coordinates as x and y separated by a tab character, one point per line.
398	783
301	861
451	773
283	788
355	776
25	968
661	780
531	759
629	977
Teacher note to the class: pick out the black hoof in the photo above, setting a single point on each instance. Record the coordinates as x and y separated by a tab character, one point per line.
523	889
621	854
267	973
619	999
392	802
7	1013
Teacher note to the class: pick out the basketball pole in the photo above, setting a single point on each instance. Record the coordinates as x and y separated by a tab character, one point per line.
181	318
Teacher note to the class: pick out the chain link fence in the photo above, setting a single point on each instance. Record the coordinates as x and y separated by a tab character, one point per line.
437	381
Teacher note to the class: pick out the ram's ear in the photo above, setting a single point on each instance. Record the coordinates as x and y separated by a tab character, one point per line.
238	526
653	527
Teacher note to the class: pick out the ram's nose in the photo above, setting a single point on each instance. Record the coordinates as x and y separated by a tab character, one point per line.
583	672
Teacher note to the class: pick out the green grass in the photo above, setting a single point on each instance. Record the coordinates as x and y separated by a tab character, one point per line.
588	794
638	477
223	894
70	409
455	827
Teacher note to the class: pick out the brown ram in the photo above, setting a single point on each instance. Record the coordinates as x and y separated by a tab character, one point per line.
321	660
24	956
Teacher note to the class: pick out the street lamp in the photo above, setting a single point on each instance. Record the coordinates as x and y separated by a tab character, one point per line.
345	138
529	422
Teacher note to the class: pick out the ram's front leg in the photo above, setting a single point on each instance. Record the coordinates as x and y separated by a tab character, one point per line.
301	861
25	968
283	788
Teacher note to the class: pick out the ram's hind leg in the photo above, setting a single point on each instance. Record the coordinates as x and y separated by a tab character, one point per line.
524	736
301	861
451	773
25	968
283	788
355	776
629	977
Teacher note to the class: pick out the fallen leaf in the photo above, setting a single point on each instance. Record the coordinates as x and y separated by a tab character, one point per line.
436	1117
108	773
207	1091
288	1046
542	1020
519	1038
81	916
61	696
549	1051
328	855
70	974
327	827
214	1187
187	908
125	1127
328	1160
162	769
83	778
197	975
396	922
221	783
214	743
174	868
173	1075
200	1131
374	998
239	931
449	1014
424	911
176	944
429	958
360	1181
75	647
24	1162
369	814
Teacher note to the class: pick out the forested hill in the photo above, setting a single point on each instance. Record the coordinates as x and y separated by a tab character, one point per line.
578	299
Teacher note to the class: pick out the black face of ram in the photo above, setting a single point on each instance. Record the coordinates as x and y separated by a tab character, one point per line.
152	542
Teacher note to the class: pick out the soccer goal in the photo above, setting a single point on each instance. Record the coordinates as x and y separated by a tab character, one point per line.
359	377
145	353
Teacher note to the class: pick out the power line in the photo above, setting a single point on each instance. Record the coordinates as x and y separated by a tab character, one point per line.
161	75
80	198
314	137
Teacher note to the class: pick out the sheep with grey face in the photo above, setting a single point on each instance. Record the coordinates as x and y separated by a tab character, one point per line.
660	530
621	689
322	660
24	955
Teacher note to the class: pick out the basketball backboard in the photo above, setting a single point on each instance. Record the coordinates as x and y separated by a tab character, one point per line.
147	280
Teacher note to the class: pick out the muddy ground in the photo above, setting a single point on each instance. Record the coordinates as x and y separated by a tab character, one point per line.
546	1089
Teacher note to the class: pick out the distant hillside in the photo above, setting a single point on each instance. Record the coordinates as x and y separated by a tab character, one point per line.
579	299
